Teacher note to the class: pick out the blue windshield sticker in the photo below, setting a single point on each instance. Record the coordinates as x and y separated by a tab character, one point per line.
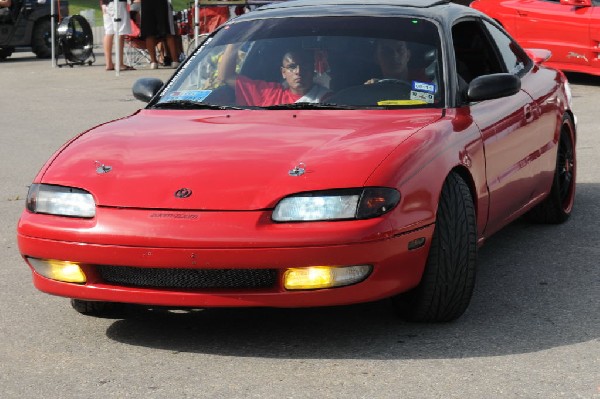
188	95
422	86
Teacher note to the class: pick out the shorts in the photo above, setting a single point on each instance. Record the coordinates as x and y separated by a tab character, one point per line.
110	26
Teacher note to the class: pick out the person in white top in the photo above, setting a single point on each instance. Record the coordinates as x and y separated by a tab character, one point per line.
112	27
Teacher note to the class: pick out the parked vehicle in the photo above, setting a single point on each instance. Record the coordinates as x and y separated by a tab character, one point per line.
384	187
27	24
570	29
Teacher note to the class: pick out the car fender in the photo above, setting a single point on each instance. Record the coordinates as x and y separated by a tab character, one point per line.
420	165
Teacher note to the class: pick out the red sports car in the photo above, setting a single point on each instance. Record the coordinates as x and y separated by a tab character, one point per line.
310	153
570	29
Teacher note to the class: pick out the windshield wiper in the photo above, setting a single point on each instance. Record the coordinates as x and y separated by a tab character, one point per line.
187	104
309	106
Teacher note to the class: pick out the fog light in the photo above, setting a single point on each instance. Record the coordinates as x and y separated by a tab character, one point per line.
60	270
317	277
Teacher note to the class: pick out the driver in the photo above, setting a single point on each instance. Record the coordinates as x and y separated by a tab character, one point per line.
297	71
392	57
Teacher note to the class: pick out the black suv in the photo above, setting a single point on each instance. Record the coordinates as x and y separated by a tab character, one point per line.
26	23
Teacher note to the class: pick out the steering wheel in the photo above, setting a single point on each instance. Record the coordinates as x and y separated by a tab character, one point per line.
222	95
392	81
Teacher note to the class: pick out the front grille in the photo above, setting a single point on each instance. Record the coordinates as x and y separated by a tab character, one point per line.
188	278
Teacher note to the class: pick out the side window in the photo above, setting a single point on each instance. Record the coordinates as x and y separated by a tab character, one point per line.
475	55
515	59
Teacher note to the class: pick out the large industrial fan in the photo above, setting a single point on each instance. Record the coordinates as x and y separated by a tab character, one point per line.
76	41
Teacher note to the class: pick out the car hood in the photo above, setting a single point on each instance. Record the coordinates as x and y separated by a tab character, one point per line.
229	160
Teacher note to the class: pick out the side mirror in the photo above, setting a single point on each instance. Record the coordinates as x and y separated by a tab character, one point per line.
146	88
576	3
497	85
538	55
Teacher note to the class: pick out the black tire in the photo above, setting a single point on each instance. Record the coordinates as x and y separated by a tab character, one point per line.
97	308
41	40
447	284
6	52
558	205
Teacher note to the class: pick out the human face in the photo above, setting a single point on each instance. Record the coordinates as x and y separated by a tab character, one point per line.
297	69
393	57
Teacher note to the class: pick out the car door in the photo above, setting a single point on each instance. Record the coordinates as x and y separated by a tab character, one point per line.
509	126
561	28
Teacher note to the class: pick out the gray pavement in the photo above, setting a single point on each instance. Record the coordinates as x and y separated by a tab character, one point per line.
532	330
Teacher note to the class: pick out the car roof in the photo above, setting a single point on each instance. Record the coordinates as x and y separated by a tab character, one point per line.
441	10
399	3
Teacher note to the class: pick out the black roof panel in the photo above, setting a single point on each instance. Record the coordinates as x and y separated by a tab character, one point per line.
333	3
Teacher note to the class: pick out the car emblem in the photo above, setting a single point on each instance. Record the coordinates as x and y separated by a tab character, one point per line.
298	170
183	193
577	56
101	168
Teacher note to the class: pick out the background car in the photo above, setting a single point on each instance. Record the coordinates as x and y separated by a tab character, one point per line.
382	188
568	28
27	24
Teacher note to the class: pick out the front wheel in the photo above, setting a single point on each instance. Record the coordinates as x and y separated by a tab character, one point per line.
447	284
41	39
97	308
6	52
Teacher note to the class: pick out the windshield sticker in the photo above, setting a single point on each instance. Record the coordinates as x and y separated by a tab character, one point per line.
188	95
401	102
427	98
422	86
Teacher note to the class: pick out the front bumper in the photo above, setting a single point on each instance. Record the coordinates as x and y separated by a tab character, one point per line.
395	268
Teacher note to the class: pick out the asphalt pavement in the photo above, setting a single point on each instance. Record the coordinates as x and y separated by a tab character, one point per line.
531	331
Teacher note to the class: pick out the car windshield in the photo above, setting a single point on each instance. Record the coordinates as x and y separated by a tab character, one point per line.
352	62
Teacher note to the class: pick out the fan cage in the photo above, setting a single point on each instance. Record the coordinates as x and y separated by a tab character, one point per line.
76	39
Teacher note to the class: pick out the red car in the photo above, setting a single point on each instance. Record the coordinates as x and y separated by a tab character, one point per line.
570	29
310	153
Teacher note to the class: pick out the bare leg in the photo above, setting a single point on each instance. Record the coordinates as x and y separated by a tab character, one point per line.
172	48
121	50
151	47
108	45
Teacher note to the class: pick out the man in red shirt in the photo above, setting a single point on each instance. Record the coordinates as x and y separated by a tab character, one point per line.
297	71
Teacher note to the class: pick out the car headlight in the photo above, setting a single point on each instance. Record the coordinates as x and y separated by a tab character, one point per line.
342	204
59	200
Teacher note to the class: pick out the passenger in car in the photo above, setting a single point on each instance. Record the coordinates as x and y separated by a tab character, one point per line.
297	71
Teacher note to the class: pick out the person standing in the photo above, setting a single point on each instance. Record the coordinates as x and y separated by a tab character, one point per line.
5	10
157	23
112	27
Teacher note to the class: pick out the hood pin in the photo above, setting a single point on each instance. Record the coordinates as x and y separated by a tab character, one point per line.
101	168
298	170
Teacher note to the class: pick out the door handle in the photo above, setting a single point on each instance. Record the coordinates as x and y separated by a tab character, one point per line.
528	113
